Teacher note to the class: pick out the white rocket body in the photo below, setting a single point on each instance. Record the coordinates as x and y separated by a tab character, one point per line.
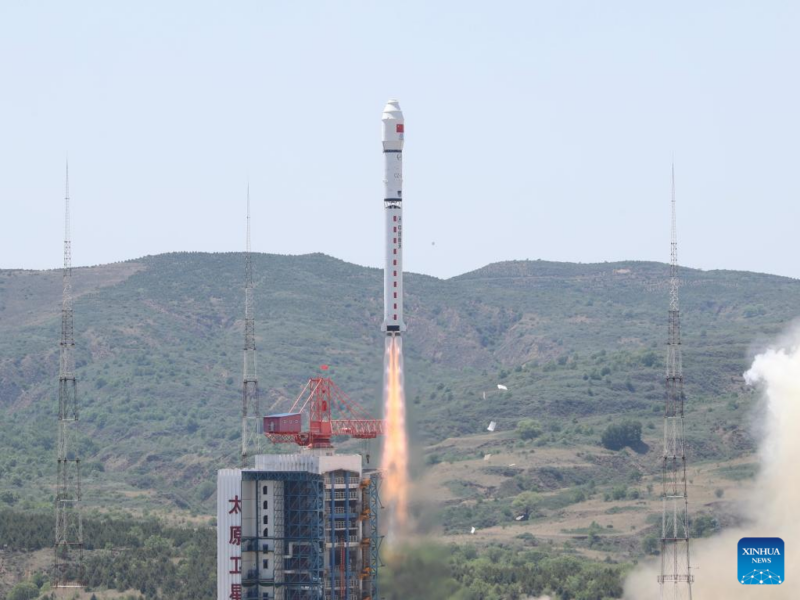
393	131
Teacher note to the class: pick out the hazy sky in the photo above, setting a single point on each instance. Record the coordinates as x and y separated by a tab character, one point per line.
533	129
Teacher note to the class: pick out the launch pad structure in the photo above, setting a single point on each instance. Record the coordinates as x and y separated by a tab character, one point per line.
300	526
303	526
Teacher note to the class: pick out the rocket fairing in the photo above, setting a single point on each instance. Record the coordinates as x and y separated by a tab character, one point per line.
393	130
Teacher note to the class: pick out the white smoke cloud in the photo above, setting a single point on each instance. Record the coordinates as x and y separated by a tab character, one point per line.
771	507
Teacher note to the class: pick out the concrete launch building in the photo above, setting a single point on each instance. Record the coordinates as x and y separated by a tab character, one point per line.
298	527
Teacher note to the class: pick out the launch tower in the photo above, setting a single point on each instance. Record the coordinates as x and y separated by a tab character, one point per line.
68	560
251	411
676	578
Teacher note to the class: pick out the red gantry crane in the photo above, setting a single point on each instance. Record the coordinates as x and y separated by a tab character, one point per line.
310	422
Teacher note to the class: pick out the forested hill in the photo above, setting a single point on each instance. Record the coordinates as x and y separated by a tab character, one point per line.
159	356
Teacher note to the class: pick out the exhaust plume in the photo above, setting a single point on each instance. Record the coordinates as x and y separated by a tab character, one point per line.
771	506
394	461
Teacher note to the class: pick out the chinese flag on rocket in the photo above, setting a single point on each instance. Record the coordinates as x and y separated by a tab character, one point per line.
400	128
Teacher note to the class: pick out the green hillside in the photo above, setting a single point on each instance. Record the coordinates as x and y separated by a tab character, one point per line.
159	359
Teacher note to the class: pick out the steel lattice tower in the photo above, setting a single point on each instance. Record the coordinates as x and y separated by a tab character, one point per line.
68	565
250	406
676	578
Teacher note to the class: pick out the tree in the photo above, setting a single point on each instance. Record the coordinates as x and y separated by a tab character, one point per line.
619	435
620	492
526	502
39	579
422	573
651	544
649	359
527	429
704	526
24	591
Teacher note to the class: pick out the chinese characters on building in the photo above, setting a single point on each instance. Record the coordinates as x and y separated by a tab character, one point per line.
235	539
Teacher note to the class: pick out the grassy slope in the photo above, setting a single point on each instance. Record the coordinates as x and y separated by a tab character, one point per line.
159	357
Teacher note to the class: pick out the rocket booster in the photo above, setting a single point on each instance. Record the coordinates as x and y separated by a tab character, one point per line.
393	130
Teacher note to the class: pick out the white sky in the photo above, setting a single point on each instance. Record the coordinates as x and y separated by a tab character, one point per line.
534	129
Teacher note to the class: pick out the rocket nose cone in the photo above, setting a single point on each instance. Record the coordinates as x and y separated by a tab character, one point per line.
392	110
393	126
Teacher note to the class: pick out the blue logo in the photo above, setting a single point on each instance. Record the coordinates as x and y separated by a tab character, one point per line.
761	561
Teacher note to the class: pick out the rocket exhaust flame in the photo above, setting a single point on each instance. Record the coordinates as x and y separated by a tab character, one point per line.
394	463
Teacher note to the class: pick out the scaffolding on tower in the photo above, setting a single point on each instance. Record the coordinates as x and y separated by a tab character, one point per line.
321	412
310	422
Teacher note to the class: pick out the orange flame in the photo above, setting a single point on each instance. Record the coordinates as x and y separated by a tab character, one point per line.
394	462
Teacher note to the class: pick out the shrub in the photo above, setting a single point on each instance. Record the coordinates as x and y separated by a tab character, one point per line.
649	359
433	459
526	501
527	429
619	435
24	591
703	526
650	544
619	493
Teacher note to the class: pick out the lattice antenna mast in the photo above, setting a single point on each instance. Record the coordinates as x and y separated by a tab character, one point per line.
68	560
676	577
251	438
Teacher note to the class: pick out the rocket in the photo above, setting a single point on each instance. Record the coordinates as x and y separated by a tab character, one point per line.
393	131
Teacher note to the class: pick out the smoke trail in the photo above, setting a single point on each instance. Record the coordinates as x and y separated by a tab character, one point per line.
394	461
771	506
